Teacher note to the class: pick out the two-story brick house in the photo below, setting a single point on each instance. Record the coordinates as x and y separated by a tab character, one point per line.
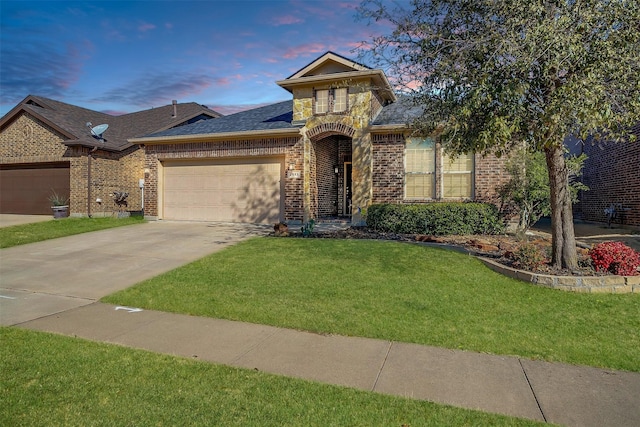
340	144
46	146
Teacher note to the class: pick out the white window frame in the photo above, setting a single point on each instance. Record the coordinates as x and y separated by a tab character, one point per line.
331	104
446	160
429	174
438	172
325	101
340	107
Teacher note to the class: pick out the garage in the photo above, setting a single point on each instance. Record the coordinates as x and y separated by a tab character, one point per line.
232	190
25	188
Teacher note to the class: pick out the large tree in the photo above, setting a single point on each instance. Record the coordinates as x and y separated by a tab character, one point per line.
493	74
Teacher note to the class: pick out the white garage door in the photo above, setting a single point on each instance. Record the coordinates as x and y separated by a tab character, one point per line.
235	190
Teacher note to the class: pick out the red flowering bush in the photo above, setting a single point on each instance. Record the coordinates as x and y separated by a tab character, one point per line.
615	257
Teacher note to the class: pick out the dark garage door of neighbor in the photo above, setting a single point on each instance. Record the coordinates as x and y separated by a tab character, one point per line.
25	189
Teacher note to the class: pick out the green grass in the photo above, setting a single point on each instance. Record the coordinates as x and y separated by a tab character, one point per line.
51	380
39	231
400	292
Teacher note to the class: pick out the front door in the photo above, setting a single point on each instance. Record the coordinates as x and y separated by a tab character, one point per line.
347	188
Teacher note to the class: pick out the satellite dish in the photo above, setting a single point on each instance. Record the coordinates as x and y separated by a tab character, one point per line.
97	131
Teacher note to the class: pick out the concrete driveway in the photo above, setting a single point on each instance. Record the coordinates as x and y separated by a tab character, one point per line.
7	220
49	277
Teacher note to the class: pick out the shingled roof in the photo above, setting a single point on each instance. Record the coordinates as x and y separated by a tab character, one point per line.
71	121
279	116
269	117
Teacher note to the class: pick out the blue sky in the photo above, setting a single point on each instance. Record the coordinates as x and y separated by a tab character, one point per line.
125	56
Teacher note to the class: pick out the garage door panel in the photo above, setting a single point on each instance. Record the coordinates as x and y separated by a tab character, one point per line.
25	189
234	191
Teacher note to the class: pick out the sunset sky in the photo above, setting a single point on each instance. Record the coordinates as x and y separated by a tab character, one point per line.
125	56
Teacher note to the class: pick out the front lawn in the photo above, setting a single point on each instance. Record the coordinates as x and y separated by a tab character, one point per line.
36	232
51	380
401	292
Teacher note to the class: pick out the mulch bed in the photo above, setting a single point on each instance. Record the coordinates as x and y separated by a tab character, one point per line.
498	247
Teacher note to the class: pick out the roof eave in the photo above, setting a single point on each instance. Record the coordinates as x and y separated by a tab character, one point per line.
98	145
390	127
180	139
22	107
377	75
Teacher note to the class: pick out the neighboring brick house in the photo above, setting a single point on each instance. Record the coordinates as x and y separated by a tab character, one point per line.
46	145
612	173
341	144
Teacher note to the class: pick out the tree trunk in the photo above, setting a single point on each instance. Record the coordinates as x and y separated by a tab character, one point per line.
564	253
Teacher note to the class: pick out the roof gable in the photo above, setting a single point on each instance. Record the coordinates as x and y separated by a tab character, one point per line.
329	63
72	121
331	68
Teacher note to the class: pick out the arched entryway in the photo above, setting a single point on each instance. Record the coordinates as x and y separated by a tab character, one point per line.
330	175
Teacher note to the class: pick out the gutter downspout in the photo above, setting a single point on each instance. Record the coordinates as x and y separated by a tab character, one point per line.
89	180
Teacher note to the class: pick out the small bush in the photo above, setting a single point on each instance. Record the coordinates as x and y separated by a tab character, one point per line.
529	257
437	219
616	258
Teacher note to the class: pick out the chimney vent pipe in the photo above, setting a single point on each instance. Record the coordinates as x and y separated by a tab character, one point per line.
175	108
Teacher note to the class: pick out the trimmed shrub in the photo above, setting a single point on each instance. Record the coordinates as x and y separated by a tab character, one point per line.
437	219
616	258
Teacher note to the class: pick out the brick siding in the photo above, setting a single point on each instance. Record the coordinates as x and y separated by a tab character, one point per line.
290	148
388	172
28	140
612	173
388	168
326	157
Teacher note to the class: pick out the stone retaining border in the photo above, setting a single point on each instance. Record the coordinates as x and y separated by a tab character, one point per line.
586	284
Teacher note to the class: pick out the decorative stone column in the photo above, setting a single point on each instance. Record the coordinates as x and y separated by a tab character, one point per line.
361	175
306	172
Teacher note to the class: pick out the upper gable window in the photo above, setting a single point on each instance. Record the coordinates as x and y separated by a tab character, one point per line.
322	101
331	100
340	100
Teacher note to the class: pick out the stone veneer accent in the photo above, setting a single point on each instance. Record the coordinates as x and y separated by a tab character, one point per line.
584	284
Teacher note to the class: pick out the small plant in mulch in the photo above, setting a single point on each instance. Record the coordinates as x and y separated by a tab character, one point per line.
616	258
281	229
529	256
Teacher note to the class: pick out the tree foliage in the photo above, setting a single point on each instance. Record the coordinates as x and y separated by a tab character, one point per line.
493	74
528	187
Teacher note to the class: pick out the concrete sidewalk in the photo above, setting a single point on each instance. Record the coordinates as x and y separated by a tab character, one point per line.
551	392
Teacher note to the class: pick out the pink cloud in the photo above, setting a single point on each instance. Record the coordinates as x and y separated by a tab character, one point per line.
114	112
304	50
232	109
228	80
286	20
145	26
